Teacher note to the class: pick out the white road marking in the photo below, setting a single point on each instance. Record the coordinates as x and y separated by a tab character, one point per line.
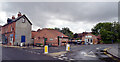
90	52
54	57
65	57
72	59
62	55
85	54
60	58
38	53
97	48
90	55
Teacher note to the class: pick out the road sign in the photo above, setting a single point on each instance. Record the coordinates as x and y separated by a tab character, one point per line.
46	49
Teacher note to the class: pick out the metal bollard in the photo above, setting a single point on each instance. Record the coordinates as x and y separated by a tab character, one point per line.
46	49
68	47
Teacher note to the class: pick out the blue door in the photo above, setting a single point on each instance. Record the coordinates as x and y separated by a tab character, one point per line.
22	38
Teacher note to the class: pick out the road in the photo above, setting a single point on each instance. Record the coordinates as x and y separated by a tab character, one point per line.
89	52
10	54
80	53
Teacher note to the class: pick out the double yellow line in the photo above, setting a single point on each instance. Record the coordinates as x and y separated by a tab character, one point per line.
110	55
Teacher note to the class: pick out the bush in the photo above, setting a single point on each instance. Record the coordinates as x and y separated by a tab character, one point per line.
101	41
118	40
107	42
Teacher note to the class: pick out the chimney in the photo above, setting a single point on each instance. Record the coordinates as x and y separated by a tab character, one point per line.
38	30
19	14
9	20
13	17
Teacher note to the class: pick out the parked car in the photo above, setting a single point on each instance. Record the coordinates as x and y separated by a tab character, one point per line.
38	44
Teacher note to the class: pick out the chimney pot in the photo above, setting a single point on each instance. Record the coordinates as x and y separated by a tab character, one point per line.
13	17
19	14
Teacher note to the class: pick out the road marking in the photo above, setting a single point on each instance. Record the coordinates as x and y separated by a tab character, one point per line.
71	59
54	57
90	52
38	53
62	55
65	57
60	58
83	53
97	48
90	55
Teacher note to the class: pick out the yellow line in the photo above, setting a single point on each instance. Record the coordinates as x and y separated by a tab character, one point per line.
110	55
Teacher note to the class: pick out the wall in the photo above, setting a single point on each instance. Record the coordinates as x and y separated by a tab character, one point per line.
23	29
94	39
6	31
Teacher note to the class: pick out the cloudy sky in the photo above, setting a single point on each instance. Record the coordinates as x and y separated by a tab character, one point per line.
78	16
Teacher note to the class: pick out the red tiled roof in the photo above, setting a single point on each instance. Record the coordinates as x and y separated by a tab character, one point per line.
50	33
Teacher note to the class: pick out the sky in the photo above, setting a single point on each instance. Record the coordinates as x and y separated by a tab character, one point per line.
78	16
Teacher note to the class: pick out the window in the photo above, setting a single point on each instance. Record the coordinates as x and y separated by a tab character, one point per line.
23	20
51	39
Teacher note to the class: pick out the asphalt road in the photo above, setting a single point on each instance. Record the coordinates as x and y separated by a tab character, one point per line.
10	54
81	53
90	53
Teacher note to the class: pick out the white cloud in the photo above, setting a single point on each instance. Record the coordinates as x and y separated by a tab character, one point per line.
76	27
79	17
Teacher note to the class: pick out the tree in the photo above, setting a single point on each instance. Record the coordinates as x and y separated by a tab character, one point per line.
67	32
109	31
75	35
57	29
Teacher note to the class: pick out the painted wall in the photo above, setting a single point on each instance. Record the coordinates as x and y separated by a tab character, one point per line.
23	29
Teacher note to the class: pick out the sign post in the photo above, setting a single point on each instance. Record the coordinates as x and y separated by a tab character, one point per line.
46	49
68	47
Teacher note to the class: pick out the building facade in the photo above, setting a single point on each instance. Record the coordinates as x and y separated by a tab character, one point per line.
87	38
90	39
17	30
50	37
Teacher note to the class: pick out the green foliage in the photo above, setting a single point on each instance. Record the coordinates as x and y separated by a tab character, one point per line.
109	31
65	31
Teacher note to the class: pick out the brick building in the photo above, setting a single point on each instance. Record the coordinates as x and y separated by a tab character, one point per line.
88	38
17	30
47	36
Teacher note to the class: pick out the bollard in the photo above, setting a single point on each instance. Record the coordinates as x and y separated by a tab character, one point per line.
21	44
46	49
68	47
